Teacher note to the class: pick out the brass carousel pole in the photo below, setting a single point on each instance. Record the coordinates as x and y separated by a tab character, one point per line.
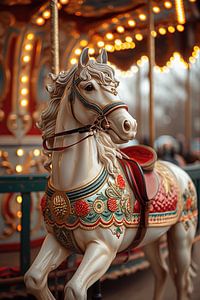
151	55
54	37
188	114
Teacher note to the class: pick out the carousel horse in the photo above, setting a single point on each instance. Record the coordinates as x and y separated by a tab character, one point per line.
101	200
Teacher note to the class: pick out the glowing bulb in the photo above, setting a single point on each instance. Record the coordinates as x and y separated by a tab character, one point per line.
139	37
19	227
118	42
36	152
91	51
162	30
167	4
120	29
109	36
131	23
171	29
46	14
64	2
142	17
18	168
154	33
100	44
40	21
24	91
73	61
19	199
30	36
144	58
109	48
20	152
132	45
24	102
139	62
77	51
19	214
128	39
180	28
83	43
192	59
156	9
28	47
176	55
24	79
26	58
196	48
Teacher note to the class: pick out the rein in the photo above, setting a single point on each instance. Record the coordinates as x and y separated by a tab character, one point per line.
102	116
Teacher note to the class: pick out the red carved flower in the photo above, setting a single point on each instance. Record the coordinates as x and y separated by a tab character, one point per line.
43	203
188	203
120	181
81	208
112	204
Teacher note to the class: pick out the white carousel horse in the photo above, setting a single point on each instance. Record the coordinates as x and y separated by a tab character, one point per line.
89	206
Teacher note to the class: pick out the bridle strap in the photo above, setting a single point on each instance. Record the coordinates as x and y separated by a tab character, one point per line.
102	113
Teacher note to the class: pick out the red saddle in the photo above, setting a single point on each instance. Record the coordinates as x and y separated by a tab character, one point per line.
145	157
138	163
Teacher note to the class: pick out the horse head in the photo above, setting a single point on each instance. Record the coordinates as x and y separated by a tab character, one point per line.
94	99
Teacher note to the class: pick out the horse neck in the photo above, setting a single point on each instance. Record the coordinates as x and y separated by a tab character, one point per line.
77	165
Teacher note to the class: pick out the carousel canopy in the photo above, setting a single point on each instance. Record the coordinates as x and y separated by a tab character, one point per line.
119	26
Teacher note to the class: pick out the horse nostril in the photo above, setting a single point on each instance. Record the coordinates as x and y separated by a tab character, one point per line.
127	125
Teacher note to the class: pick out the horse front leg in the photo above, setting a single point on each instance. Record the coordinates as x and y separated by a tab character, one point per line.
101	249
49	258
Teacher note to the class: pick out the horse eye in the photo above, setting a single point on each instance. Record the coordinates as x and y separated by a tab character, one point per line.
89	87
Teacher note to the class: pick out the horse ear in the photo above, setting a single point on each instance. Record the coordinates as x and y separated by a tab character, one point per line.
84	57
103	57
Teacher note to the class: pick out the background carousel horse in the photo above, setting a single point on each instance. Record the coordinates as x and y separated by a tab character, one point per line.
89	206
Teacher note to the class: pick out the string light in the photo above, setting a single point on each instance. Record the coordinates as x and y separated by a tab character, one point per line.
162	30
24	79
46	14
20	152
109	36
30	36
139	37
26	58
19	214
128	39
156	9
24	102
100	44
18	168
40	21
77	51
64	2
171	29
24	91
109	48
120	29
28	47
83	43
180	28
19	199
154	33
36	152
19	227
168	4
73	61
131	23
118	42
91	51
180	12
142	17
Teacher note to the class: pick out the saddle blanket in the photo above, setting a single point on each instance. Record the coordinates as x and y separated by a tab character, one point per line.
112	203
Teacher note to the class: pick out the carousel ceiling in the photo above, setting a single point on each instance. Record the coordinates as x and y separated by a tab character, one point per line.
120	26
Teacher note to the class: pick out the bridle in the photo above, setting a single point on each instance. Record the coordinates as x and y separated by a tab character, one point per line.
102	112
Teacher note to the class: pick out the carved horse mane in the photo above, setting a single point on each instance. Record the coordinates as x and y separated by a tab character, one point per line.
104	75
